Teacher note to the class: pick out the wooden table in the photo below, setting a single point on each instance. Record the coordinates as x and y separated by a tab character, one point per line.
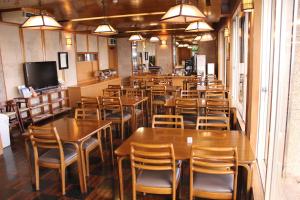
178	137
77	131
133	102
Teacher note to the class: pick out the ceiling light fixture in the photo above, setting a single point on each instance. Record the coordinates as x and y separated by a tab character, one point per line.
198	38
226	32
182	13
207	37
247	5
154	39
105	28
198	27
41	21
136	37
180	45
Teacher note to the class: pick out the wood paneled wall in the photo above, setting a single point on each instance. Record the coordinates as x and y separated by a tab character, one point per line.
23	45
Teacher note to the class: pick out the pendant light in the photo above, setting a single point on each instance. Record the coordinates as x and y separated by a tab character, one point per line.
136	37
105	28
154	39
41	21
198	38
182	13
247	5
198	27
207	37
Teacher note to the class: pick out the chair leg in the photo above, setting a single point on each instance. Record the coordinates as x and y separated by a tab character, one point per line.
100	147
37	177
63	180
87	163
122	130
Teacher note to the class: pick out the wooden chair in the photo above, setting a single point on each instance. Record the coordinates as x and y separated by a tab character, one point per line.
214	94
173	121
58	156
218	107
191	94
154	169
113	111
92	102
111	92
139	112
10	109
216	86
158	98
91	143
188	108
213	123
213	172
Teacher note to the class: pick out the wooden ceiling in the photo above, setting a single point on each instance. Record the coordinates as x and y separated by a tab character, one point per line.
74	14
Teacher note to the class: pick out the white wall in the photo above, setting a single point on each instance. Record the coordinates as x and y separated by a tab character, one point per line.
164	56
124	57
103	53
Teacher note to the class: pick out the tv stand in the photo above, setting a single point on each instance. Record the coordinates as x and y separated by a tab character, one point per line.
48	104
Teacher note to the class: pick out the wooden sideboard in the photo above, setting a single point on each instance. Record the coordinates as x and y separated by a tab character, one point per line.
91	89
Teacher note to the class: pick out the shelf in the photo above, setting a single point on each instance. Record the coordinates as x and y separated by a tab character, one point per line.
41	117
35	106
57	100
60	110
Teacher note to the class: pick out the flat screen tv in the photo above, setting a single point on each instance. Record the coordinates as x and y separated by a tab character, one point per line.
40	75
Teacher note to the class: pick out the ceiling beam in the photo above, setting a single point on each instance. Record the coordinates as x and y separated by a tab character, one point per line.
116	16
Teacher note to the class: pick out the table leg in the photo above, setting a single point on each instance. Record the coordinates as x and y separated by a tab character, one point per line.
111	143
30	160
83	169
133	119
120	168
249	168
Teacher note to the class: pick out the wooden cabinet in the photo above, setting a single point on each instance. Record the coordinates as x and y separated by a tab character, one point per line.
48	104
92	89
86	66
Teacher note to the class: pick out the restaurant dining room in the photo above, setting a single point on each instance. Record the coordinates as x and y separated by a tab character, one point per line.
149	99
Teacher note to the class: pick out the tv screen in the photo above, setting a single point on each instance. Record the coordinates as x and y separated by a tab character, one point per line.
40	75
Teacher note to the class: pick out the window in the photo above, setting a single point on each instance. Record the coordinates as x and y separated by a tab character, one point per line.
240	61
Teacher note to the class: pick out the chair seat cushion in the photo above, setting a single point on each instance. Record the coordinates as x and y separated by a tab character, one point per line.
10	114
52	156
90	142
161	99
153	178
189	119
213	182
117	115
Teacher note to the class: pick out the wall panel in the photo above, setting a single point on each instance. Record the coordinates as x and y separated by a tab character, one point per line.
164	56
103	53
124	57
33	45
69	74
12	59
93	47
81	42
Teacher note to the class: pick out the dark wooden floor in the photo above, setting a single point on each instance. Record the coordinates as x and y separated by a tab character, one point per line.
15	178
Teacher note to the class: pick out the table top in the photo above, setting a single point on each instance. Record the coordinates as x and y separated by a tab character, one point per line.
132	101
178	137
72	130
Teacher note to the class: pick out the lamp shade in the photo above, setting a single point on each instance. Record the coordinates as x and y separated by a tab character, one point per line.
182	13
41	22
198	38
154	39
136	37
206	37
105	29
180	45
198	27
247	5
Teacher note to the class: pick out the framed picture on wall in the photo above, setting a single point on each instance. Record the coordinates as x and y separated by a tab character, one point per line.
63	62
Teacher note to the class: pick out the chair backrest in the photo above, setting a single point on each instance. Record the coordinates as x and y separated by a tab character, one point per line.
167	121
152	157
217	161
112	104
213	94
186	106
191	94
45	138
157	91
111	92
217	107
213	123
87	113
90	102
216	86
134	92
